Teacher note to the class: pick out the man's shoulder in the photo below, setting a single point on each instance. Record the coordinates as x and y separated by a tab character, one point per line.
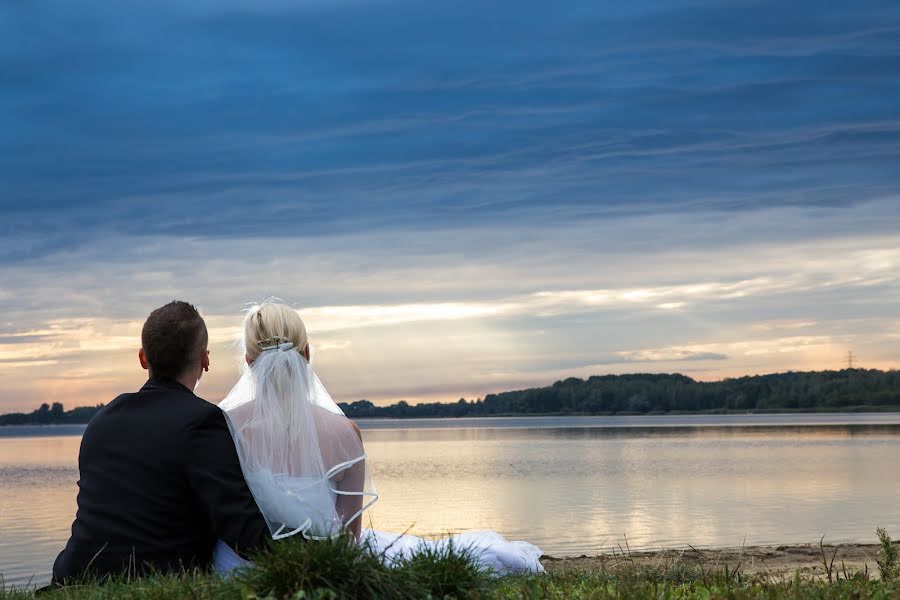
108	409
205	412
176	404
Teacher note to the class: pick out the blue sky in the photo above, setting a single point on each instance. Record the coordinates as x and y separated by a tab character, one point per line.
459	197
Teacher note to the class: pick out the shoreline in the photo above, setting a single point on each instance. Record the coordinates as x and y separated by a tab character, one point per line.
775	560
771	562
848	411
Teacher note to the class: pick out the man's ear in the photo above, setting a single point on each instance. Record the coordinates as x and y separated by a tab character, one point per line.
143	358
204	362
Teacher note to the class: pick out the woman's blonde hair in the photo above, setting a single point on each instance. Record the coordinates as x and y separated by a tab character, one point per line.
271	323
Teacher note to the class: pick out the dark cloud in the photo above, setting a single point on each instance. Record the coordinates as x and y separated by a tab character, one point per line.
244	118
20	338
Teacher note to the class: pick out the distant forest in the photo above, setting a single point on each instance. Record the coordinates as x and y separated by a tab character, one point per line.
850	389
51	415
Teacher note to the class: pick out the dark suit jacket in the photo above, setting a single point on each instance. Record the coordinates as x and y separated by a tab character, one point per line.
160	482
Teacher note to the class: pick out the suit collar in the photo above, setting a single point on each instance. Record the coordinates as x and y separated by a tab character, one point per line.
169	384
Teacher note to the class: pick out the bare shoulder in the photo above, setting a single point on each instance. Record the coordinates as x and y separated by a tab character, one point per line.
337	421
241	413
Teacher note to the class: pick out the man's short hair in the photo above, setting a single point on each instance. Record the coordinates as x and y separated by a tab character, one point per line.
174	336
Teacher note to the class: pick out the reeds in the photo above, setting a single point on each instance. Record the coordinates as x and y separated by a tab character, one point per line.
888	566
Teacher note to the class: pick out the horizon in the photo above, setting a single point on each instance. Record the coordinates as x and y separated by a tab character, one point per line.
458	199
548	385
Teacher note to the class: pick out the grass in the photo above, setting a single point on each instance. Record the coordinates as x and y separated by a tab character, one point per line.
888	565
604	585
339	569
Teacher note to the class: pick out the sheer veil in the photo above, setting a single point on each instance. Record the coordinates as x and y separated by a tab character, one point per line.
302	458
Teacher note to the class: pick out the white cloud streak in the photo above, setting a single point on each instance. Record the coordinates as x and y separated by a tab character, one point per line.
440	314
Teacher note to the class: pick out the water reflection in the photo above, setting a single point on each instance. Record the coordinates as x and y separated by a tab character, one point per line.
639	421
711	431
571	490
37	503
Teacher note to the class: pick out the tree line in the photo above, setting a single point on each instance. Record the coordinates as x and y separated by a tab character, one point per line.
53	414
641	393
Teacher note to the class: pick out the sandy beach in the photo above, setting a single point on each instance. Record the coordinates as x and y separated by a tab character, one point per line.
776	561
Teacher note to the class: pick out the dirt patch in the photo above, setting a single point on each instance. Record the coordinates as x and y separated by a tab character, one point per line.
777	561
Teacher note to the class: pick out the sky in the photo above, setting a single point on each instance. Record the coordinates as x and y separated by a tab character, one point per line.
459	198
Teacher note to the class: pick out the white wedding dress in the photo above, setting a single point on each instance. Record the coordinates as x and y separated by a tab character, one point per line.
305	464
488	548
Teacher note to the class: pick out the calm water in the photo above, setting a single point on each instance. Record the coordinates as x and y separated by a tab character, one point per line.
570	485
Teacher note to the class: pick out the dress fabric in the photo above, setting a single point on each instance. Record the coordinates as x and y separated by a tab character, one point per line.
489	549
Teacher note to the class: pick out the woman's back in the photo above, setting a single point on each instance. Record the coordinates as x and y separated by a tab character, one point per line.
304	461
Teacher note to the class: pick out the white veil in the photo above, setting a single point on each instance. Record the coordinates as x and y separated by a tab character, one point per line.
302	458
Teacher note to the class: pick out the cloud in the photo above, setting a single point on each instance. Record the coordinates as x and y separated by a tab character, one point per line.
715	351
670	355
457	197
594	110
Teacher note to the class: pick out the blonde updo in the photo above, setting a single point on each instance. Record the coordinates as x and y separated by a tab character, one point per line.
271	320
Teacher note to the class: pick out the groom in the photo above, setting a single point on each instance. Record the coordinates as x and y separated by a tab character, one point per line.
160	478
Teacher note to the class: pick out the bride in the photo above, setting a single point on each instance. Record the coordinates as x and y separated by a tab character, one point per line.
304	460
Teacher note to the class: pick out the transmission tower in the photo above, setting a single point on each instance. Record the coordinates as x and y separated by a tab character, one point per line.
851	358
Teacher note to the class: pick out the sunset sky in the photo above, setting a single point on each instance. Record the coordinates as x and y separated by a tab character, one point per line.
459	197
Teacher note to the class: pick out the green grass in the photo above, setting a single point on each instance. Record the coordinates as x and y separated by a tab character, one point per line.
604	585
888	565
339	569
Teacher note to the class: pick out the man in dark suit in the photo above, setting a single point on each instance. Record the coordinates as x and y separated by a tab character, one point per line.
160	479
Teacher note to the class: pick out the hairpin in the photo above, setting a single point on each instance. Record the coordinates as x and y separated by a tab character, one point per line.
276	342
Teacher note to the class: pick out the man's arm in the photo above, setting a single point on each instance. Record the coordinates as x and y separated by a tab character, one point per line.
214	473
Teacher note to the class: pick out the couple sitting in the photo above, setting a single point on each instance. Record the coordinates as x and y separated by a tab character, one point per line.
169	481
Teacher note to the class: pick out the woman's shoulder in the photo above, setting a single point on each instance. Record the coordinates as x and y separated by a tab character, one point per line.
336	422
240	416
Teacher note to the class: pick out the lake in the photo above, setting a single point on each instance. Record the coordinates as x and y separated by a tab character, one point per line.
571	485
